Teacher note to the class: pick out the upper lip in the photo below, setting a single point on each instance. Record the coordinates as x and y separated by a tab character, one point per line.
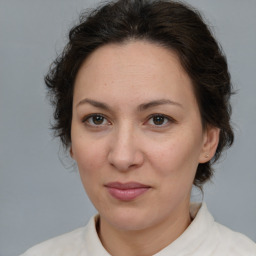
128	185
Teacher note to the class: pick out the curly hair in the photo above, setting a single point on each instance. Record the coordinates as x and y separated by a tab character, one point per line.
170	24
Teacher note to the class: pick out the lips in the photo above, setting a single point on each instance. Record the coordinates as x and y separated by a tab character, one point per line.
126	191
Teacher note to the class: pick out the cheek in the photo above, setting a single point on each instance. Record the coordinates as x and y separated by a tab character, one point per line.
175	170
176	157
89	157
89	160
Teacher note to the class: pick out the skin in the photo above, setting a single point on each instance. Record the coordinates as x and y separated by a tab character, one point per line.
126	144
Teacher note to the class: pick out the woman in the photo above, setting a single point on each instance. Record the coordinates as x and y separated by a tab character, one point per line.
141	95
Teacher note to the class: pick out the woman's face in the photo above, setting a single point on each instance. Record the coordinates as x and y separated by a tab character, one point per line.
137	135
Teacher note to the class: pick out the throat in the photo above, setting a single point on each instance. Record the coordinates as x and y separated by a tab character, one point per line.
140	242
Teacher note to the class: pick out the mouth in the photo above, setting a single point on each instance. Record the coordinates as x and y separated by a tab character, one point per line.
126	191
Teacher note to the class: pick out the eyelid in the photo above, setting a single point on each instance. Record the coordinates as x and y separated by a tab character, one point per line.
85	118
169	118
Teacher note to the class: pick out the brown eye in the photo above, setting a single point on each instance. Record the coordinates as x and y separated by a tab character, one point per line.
96	120
159	120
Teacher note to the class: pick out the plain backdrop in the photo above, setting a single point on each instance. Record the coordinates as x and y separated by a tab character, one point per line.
40	195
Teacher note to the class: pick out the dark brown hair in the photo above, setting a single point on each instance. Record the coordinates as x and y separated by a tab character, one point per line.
171	24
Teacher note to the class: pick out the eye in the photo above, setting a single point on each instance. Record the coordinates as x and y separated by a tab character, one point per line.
159	120
96	120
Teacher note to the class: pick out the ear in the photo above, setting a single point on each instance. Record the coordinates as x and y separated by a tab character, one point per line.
210	143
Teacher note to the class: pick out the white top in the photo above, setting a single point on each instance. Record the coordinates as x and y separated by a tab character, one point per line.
203	237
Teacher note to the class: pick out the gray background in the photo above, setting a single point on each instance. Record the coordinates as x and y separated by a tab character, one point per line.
40	197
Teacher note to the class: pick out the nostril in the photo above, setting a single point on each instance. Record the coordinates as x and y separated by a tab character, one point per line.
125	159
125	151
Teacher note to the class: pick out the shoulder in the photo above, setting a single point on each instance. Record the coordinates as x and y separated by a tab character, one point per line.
213	238
83	241
65	244
236	244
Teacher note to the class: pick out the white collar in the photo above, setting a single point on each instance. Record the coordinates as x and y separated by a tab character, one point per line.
189	241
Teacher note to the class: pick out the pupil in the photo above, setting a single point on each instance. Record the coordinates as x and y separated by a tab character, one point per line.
98	119
158	120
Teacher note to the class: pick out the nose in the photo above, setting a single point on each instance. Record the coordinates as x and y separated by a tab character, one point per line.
125	152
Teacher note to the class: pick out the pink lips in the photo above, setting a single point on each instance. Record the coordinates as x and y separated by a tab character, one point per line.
126	191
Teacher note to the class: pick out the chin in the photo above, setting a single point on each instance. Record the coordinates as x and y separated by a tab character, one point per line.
127	219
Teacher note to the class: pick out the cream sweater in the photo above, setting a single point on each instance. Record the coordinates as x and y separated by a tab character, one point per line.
203	237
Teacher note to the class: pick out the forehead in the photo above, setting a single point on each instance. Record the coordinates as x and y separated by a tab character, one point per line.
134	69
137	54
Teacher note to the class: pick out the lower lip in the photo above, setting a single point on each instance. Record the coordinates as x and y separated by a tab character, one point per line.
126	194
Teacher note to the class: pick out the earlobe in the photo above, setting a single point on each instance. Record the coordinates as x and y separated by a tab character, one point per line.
210	144
71	152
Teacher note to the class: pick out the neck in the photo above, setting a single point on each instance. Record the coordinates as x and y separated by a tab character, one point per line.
143	242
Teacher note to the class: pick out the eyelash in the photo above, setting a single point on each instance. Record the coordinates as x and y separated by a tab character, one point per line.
168	118
85	120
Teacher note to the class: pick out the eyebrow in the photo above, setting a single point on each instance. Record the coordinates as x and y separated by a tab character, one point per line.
94	103
156	103
141	107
